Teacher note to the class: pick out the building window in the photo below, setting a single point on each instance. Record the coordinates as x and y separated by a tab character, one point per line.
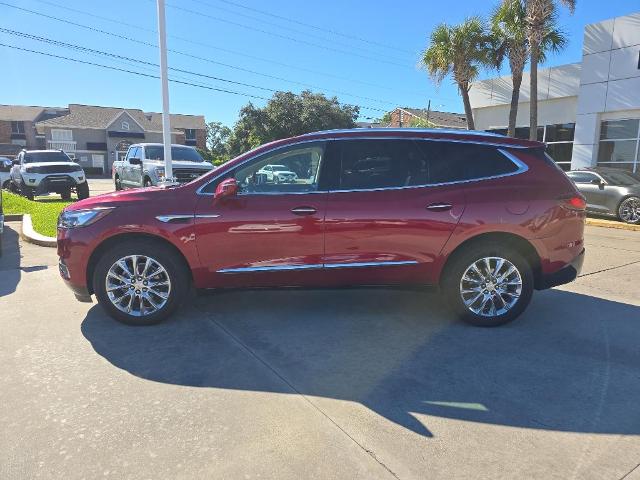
125	126
619	143
190	134
17	127
58	135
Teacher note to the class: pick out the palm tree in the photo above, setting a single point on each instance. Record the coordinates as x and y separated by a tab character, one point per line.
458	50
509	38
541	15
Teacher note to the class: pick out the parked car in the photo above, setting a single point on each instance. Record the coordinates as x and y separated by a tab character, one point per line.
38	172
278	174
5	168
486	218
143	165
610	191
1	222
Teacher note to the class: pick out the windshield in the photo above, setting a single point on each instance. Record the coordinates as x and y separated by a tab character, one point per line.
280	168
620	178
177	153
41	157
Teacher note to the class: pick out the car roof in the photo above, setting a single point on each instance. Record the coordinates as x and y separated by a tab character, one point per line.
472	136
151	144
43	151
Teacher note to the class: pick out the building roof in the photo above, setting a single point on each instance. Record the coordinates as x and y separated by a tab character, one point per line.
180	121
440	119
20	113
92	116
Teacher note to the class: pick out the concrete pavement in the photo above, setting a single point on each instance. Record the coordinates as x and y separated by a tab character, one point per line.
322	384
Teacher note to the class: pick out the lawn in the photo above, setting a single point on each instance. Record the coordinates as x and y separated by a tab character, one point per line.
44	212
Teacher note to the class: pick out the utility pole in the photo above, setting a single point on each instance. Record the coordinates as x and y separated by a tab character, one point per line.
164	80
428	111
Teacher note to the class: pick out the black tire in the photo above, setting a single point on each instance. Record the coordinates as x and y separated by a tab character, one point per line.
147	182
629	217
26	192
13	188
165	256
66	195
82	189
7	185
117	183
458	265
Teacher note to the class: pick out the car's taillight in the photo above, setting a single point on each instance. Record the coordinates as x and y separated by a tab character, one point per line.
573	202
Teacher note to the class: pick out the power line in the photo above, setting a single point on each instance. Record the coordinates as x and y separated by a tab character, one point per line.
310	25
124	70
208	45
204	59
286	37
174	80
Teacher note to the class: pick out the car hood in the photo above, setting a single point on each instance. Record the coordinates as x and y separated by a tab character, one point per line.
130	198
286	172
183	163
51	164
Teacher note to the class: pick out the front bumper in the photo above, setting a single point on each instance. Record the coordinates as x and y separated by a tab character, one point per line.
81	292
566	274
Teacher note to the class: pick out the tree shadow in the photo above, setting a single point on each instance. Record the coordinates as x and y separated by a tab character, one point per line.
570	363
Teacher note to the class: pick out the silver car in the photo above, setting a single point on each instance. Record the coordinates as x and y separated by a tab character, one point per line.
610	191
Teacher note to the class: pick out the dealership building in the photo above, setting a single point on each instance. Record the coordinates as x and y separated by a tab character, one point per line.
588	112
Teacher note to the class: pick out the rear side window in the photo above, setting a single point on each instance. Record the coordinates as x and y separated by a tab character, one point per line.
373	164
582	177
455	162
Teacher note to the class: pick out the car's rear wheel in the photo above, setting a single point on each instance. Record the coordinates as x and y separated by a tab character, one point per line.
488	285
82	189
140	282
629	210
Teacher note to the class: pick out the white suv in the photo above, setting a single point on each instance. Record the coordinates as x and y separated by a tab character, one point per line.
38	172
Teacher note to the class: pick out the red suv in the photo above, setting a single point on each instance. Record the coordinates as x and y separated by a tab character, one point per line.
486	218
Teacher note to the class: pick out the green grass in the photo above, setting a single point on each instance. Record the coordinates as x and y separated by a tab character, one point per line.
44	212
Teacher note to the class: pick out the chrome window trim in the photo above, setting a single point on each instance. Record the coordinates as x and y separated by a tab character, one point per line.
501	148
316	266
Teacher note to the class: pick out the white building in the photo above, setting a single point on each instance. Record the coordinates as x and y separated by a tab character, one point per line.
588	112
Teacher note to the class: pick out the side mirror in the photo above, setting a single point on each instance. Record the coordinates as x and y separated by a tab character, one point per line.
226	188
598	182
135	161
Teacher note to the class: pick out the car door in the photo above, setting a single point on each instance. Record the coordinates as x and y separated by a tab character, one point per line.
385	224
593	187
268	234
125	170
135	171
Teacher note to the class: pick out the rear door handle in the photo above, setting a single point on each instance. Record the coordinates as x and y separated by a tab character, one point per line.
439	207
303	211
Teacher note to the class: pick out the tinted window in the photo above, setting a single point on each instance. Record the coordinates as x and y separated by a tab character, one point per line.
455	162
369	164
154	152
134	152
582	177
38	157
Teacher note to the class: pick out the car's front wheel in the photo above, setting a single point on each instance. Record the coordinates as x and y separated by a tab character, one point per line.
488	285
82	189
117	183
140	282
629	210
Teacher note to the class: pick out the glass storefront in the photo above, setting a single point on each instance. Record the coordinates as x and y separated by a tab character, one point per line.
558	137
619	144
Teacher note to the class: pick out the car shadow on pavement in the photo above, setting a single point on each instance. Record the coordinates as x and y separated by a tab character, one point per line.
570	363
9	261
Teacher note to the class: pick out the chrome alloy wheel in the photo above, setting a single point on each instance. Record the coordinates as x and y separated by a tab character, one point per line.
491	286
630	210
138	285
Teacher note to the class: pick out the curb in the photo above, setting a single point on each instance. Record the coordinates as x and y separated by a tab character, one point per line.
596	222
31	236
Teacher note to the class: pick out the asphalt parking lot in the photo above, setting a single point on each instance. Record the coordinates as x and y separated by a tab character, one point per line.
98	186
350	383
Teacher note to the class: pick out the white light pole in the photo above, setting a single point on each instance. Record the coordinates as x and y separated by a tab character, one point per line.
166	119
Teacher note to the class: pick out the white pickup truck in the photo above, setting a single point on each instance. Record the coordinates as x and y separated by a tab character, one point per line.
143	166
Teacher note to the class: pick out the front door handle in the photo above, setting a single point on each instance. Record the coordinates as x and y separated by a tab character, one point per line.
303	211
439	207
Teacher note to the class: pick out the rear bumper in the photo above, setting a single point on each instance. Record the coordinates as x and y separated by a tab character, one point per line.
566	274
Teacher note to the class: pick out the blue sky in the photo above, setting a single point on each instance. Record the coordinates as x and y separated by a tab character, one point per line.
319	52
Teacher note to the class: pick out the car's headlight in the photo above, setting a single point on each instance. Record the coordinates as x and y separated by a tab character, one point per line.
32	169
82	218
77	169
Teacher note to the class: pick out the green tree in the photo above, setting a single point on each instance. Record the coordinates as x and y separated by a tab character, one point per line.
217	138
459	51
287	115
541	16
509	39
